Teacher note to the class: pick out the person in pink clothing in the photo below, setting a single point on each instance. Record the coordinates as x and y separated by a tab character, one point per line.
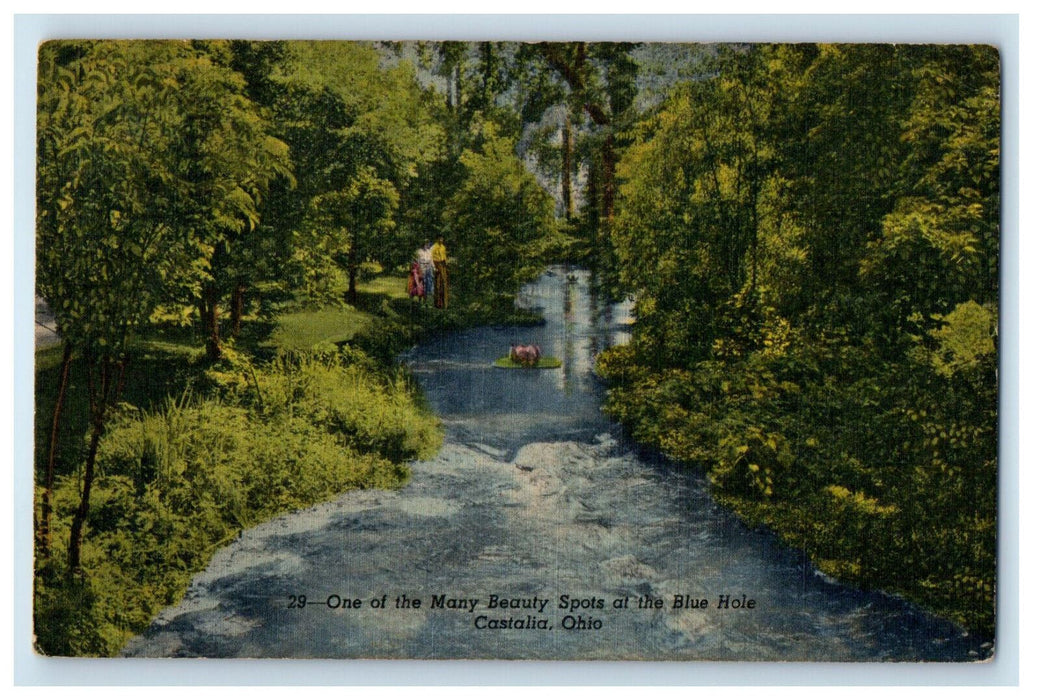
416	288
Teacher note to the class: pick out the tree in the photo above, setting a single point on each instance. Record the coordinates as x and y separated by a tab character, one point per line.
699	188
499	221
601	78
349	120
138	183
105	252
842	144
939	245
227	159
349	225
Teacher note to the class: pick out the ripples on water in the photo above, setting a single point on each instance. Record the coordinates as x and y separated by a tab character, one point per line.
612	514
535	494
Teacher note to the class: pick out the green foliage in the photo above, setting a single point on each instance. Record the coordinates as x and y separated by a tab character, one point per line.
885	476
153	366
368	413
359	134
106	253
349	226
150	157
811	235
150	161
498	220
379	110
177	482
966	340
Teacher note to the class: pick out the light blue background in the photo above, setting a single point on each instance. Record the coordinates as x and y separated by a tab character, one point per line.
29	30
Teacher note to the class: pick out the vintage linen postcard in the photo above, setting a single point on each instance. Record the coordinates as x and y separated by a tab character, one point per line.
503	350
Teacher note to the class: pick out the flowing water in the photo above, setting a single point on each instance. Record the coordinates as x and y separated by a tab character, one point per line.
538	532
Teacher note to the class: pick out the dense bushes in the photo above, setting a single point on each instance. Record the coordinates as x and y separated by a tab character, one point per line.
811	235
249	439
885	475
177	482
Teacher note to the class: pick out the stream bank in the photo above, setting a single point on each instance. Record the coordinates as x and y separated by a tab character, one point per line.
537	532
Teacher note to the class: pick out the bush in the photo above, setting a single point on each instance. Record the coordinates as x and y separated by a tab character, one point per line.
884	473
176	483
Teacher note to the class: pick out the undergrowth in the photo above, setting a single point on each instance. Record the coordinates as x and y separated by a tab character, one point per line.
176	482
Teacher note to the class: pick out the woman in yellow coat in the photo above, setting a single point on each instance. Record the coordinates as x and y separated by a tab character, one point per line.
440	274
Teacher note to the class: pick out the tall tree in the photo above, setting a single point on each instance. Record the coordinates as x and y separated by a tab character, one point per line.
228	159
105	250
349	119
349	225
699	187
603	99
134	193
501	220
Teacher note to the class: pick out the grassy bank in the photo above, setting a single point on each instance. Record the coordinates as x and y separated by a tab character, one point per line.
303	330
308	403
177	481
197	452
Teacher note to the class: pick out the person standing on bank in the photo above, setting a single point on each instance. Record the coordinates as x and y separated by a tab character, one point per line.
440	273
424	256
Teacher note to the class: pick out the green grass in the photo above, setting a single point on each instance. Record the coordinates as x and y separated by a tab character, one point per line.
543	363
304	330
198	451
393	286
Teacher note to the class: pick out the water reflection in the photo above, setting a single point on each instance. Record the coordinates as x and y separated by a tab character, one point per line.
508	408
535	492
568	355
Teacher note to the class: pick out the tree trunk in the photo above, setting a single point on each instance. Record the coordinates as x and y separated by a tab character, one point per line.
44	533
352	273
609	166
238	303
99	399
568	202
80	518
487	58
458	87
211	321
592	201
573	70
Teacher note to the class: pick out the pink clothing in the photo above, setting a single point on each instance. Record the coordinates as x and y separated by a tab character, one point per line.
415	282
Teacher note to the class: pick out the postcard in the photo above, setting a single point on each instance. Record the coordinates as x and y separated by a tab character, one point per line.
559	350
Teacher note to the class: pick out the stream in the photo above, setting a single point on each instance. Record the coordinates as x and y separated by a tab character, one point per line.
537	532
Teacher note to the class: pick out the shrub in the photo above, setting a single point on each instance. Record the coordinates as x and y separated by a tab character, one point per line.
178	482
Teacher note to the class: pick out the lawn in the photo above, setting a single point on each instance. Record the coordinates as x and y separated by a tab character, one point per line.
303	330
390	285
